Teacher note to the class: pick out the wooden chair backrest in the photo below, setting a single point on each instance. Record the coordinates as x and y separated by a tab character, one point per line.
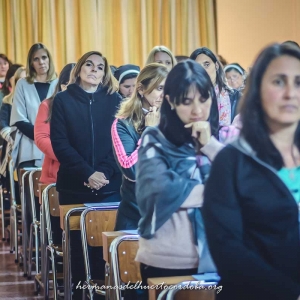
36	178
129	268
53	202
97	222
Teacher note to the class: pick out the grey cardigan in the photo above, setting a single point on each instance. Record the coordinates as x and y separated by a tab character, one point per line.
25	107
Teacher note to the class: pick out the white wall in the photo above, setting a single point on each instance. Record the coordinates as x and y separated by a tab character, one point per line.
246	26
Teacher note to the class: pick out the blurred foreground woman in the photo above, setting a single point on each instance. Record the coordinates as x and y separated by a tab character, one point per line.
251	199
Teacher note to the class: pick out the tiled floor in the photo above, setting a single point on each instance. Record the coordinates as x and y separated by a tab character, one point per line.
12	283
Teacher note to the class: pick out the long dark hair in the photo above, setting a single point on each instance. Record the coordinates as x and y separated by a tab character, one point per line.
255	129
9	74
62	79
220	79
184	75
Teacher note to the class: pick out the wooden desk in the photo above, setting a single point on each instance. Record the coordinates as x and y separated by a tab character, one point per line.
187	294
74	220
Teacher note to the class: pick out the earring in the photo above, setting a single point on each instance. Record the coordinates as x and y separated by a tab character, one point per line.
172	107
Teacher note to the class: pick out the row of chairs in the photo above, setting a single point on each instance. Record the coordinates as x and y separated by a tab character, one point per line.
38	249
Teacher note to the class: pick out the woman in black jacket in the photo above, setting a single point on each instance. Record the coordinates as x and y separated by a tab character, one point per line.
252	196
80	135
227	98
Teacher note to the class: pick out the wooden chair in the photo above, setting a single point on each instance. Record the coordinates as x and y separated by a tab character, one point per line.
69	221
50	204
125	269
93	222
34	178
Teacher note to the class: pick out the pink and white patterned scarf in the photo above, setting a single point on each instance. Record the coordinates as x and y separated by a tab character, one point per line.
224	107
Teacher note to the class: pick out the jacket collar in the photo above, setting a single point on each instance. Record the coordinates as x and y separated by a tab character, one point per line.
80	94
243	146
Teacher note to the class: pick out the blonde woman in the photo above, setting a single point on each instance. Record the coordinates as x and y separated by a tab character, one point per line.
134	115
162	55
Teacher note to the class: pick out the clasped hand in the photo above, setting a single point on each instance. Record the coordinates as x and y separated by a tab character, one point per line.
97	180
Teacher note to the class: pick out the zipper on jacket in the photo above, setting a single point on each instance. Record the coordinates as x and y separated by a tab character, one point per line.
93	138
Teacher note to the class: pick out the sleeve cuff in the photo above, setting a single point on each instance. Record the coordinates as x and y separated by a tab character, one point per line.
212	148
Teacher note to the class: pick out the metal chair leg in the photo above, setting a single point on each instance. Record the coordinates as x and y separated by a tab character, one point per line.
53	263
24	228
2	213
46	276
16	244
30	252
37	254
12	228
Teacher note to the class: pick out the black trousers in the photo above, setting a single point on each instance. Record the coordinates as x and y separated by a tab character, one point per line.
153	272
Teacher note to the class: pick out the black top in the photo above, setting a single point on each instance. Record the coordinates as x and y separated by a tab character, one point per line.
80	132
252	227
235	97
42	88
26	127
